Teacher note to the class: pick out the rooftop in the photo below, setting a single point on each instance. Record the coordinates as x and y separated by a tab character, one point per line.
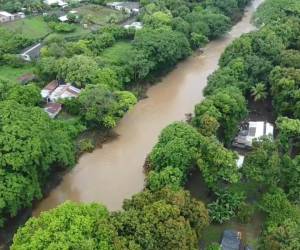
231	240
53	109
5	13
26	78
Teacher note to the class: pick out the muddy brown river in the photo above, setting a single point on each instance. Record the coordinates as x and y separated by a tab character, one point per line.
115	172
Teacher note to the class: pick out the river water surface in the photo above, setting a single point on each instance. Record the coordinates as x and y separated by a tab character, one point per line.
115	172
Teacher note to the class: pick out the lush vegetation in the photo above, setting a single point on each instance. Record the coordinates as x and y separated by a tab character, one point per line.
151	220
259	65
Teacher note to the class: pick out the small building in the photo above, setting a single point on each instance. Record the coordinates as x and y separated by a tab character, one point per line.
31	53
54	91
53	109
250	131
63	18
134	25
6	17
60	3
65	91
26	78
128	7
231	240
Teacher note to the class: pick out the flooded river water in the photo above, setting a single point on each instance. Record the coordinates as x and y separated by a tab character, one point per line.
115	172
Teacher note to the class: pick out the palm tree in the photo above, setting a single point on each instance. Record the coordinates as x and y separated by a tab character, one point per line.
259	92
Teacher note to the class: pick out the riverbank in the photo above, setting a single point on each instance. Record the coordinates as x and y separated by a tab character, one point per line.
104	175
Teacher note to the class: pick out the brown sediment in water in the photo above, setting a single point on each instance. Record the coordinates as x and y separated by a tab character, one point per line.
115	172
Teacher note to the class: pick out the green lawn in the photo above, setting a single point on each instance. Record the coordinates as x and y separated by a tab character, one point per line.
117	54
13	74
31	27
95	14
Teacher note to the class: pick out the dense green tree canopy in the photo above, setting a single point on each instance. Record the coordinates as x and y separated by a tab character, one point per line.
31	143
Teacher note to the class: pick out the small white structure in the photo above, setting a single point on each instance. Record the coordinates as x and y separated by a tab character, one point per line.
60	3
63	18
135	25
6	17
240	161
252	130
128	7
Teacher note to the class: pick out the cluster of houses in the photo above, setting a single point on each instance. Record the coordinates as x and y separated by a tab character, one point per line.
8	17
128	7
55	91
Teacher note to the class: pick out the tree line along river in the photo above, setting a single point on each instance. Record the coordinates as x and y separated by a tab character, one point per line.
114	172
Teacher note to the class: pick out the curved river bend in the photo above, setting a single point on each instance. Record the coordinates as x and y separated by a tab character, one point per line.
114	172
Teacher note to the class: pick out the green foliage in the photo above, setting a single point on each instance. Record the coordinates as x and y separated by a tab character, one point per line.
289	130
285	236
214	246
79	70
290	58
168	177
190	210
225	206
177	147
245	212
102	108
284	86
263	163
69	226
162	46
227	107
278	208
217	164
272	10
85	145
31	144
259	92
28	95
62	27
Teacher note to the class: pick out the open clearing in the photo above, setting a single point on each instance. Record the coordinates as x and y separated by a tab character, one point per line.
99	15
31	27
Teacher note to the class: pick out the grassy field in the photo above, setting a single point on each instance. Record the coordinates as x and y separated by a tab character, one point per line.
31	27
95	14
13	74
117	54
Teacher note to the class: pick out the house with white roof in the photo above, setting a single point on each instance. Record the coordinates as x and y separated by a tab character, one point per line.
55	91
252	130
60	3
6	17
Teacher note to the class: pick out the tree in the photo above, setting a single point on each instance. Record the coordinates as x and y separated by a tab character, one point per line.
263	163
28	95
285	236
103	108
162	46
168	177
190	209
217	164
228	107
259	92
79	70
69	226
31	144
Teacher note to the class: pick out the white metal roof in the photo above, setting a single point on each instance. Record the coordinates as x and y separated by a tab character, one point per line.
6	14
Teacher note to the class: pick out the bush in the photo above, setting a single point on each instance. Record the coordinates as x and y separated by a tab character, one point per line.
168	177
85	145
225	206
245	212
